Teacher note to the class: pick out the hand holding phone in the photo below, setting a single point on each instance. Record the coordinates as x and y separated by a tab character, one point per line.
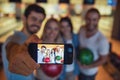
51	53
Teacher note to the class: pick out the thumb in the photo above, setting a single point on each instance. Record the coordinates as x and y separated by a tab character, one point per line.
33	39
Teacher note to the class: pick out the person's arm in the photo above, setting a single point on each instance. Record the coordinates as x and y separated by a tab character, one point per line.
103	52
19	59
97	63
76	78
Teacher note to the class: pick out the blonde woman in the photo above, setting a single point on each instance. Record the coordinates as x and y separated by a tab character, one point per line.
51	34
47	57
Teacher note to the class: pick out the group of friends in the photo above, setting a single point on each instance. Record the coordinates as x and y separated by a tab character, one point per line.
50	54
18	65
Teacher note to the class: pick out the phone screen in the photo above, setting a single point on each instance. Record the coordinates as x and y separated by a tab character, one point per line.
50	53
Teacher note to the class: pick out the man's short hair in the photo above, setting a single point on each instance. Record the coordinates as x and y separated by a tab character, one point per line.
43	47
34	7
93	10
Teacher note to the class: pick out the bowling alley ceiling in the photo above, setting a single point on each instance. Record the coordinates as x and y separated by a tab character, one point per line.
54	1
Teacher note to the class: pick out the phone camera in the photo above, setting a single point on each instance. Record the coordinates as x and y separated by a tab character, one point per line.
70	50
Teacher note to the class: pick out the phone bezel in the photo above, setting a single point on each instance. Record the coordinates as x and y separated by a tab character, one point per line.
68	57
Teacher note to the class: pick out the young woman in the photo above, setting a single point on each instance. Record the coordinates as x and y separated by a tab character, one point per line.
51	34
70	72
52	56
47	56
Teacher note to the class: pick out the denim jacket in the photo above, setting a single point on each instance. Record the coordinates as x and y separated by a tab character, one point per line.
76	71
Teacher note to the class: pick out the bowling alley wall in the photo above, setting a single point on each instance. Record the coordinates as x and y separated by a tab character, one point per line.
75	9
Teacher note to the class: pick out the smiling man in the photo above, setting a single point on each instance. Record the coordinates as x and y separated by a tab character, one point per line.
90	37
18	65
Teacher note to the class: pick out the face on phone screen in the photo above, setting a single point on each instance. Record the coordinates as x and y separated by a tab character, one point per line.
50	53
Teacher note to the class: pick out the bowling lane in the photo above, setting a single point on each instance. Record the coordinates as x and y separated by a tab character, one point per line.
77	22
105	24
8	25
4	21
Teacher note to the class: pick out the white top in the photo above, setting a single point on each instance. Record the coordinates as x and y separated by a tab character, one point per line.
40	57
98	44
69	68
61	54
52	58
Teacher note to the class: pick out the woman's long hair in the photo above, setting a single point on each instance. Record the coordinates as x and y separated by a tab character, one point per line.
58	38
68	20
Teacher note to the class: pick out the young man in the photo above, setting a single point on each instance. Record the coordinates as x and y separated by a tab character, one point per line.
18	65
90	37
41	54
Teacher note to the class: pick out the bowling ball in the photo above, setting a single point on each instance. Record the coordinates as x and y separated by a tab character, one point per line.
47	59
58	58
86	56
51	70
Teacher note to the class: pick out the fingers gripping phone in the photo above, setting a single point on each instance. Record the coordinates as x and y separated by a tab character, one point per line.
44	53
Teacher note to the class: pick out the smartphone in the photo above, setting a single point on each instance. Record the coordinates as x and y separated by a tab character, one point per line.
51	53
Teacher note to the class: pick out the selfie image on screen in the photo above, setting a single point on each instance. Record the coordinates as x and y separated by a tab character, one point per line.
50	53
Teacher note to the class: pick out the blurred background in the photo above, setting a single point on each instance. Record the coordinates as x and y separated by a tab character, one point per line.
11	19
